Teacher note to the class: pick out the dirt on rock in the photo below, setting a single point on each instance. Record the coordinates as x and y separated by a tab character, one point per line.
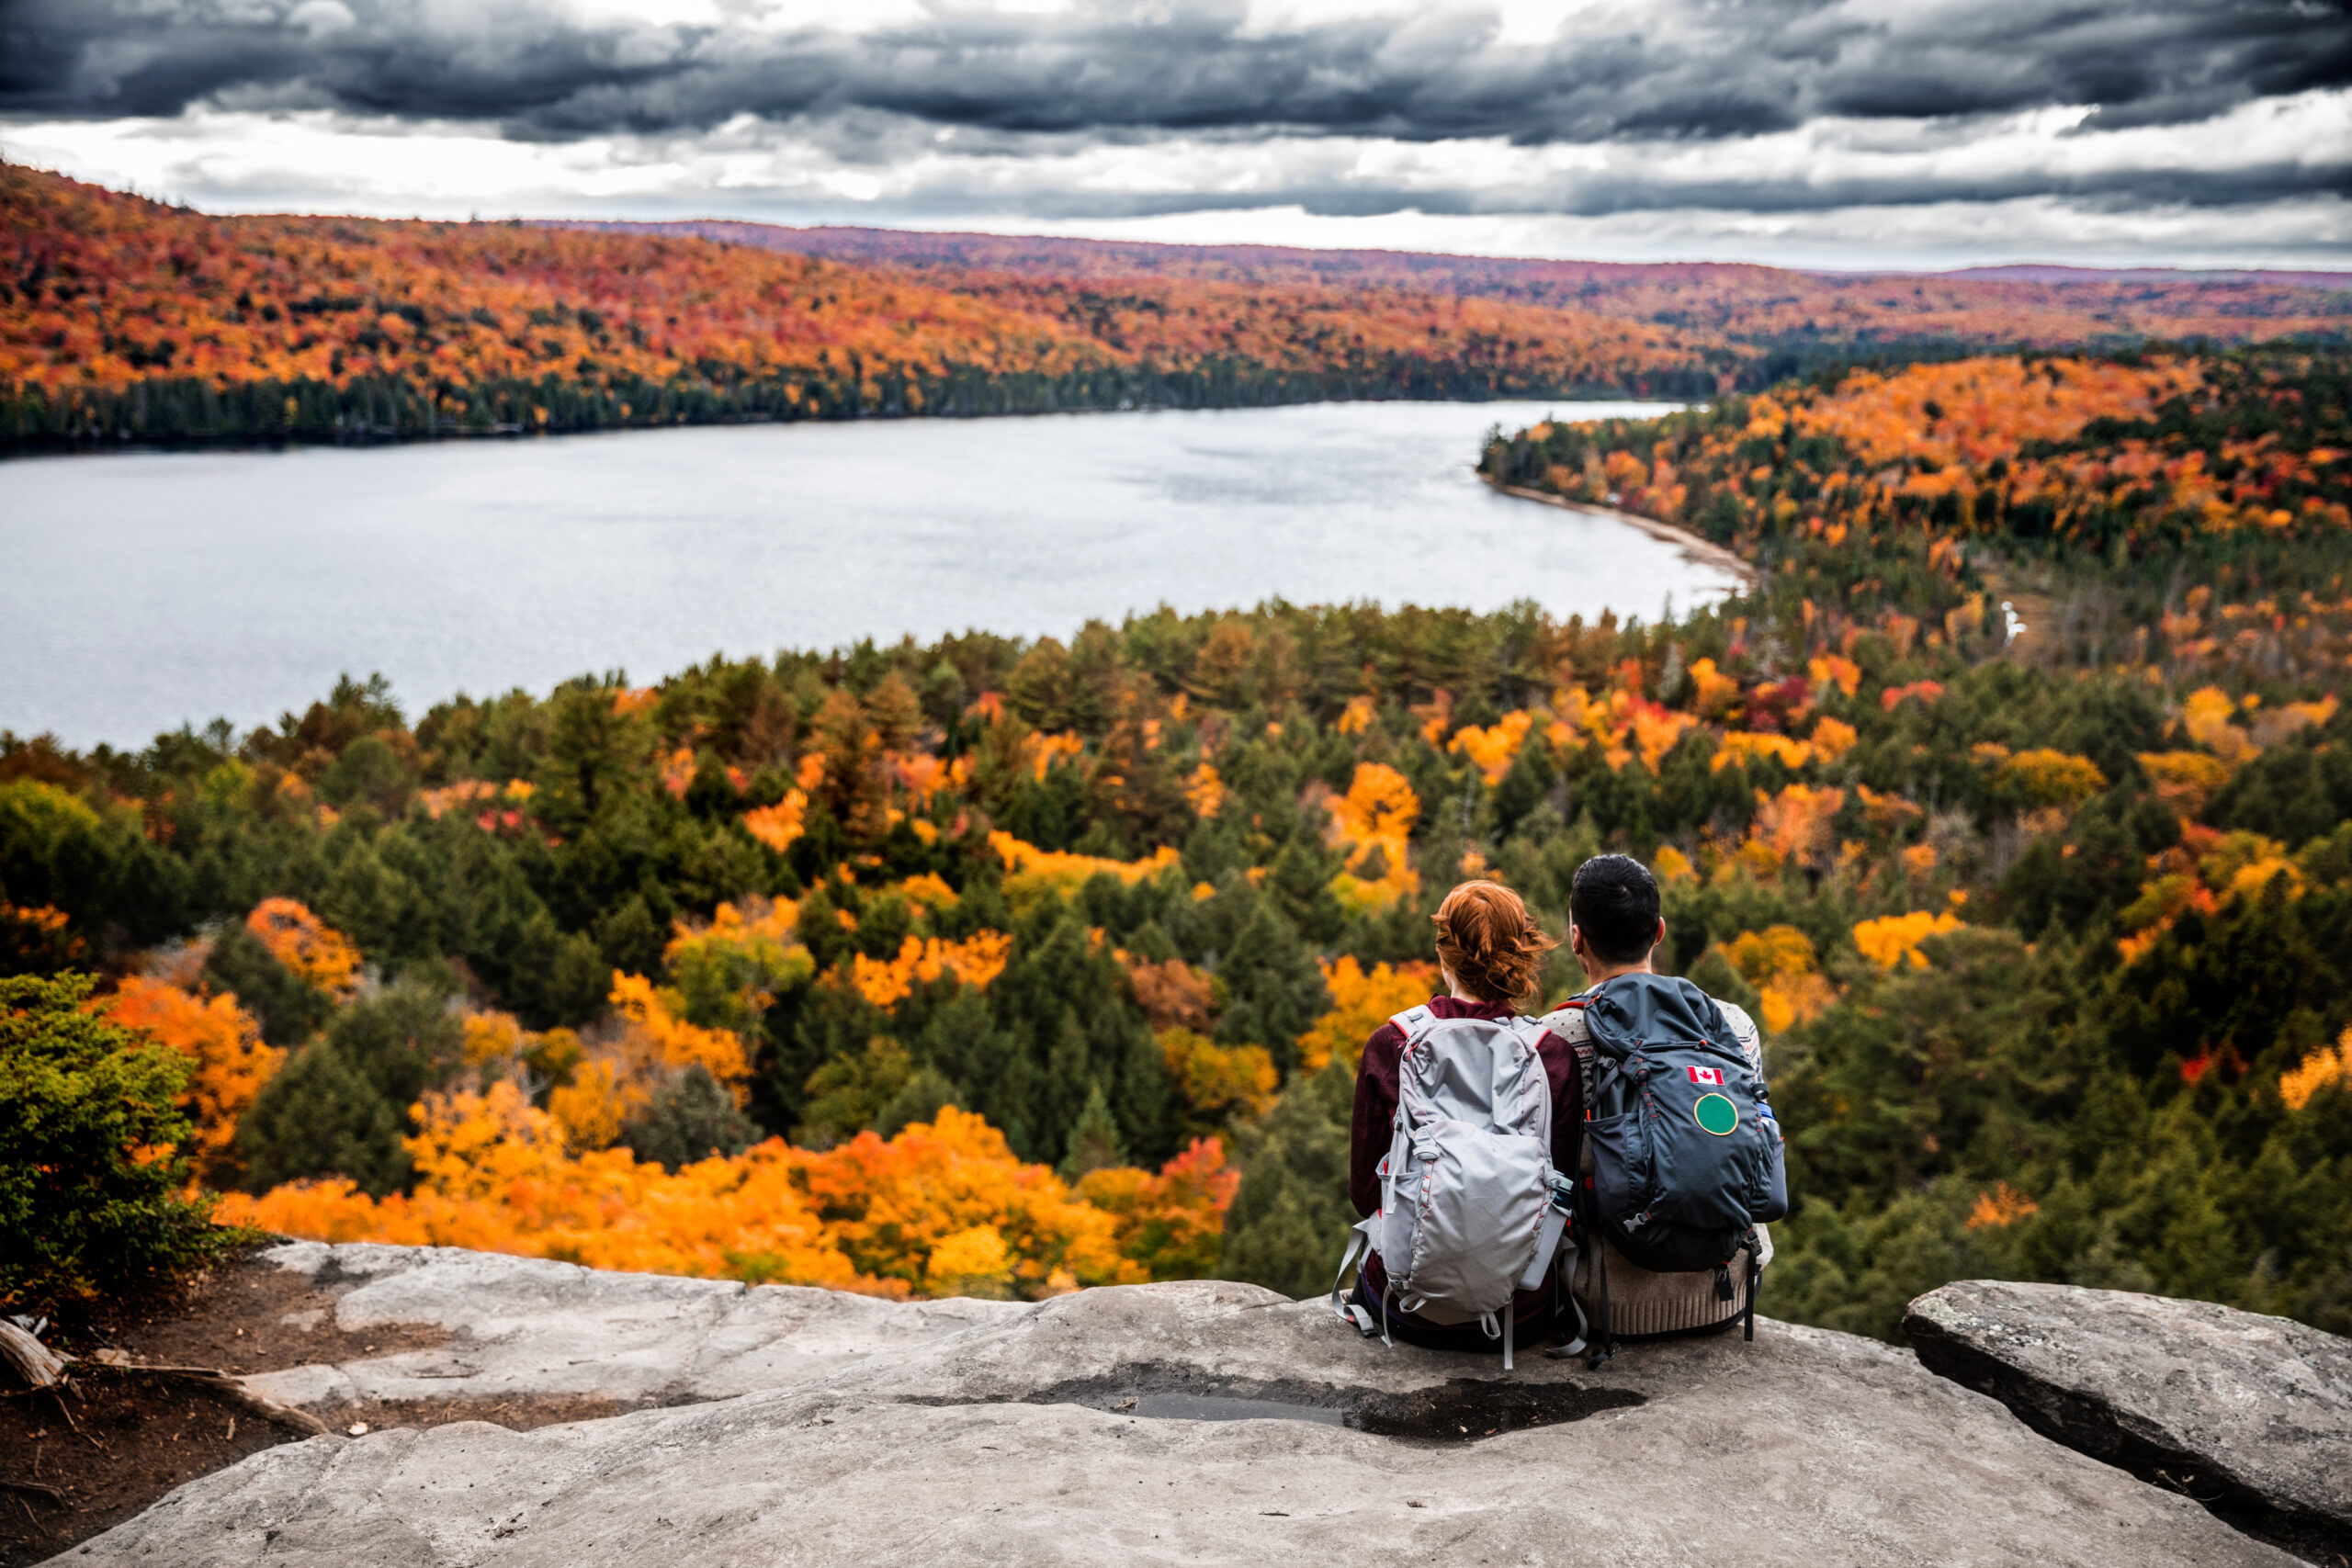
74	1463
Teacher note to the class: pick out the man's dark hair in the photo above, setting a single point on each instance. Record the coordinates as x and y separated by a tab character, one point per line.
1614	902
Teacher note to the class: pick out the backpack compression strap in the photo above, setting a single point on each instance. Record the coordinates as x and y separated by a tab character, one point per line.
1359	1245
1413	1022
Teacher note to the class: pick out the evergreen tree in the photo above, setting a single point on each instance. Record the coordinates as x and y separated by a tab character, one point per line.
688	1120
1275	989
79	1213
339	1108
921	1100
1095	1140
1290	1219
288	1010
323	1116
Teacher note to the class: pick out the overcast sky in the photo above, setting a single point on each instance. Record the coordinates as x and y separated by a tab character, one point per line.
1853	133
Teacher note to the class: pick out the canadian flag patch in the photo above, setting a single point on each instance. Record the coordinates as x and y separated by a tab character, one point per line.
1707	1075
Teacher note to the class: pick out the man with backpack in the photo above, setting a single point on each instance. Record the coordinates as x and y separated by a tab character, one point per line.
1477	1165
1683	1162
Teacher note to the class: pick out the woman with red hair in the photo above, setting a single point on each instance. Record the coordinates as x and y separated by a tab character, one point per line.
1490	956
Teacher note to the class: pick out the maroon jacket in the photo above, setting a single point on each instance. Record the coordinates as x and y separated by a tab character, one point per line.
1375	1116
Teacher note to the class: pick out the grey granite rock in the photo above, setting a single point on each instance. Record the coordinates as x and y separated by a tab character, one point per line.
2251	1415
1030	1440
525	1326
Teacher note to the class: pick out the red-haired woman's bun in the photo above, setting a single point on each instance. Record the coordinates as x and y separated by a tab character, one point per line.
1492	947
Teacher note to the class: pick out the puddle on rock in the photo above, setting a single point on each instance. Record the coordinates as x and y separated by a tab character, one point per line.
1463	1410
1223	1408
1466	1409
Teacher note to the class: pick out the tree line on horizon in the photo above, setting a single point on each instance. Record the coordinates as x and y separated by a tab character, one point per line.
998	967
122	318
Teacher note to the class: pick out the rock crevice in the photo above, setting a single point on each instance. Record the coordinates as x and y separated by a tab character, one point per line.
2250	1416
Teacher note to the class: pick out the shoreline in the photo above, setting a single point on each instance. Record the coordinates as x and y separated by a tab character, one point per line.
1705	552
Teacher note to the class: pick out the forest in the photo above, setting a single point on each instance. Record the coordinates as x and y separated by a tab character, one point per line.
125	319
1792	318
120	317
2015	801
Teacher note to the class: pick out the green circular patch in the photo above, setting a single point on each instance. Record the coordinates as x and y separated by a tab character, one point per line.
1716	1114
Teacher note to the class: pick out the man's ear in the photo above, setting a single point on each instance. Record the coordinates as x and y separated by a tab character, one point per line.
1658	940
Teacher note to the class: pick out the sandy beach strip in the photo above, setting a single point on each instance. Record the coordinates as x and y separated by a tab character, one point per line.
1703	551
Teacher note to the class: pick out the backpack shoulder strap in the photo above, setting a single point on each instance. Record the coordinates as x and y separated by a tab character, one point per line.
1415	1021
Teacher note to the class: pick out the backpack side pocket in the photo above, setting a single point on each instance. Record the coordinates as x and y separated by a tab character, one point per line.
1617	1185
1770	1199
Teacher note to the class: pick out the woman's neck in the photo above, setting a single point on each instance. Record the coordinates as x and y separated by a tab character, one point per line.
1454	989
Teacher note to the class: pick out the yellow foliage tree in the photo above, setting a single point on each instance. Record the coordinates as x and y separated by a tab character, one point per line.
1360	1002
1030	872
1218	1081
778	826
1493	748
2053	778
1795	824
2186	780
1779	962
2205	713
1373	823
942	1208
2323	1069
976	960
1895	939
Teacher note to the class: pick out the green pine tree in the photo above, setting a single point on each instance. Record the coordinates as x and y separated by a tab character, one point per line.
323	1116
1291	1217
1093	1140
1276	987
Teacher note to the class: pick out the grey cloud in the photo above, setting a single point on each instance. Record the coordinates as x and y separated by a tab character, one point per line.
1687	70
1596	196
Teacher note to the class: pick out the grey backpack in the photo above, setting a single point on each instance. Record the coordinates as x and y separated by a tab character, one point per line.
1470	1209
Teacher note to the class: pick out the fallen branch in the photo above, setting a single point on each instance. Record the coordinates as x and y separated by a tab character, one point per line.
231	1389
35	1488
34	1364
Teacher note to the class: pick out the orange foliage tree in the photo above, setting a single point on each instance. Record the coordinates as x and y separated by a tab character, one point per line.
222	1039
306	944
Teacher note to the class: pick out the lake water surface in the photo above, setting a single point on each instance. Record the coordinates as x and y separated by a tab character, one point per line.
142	590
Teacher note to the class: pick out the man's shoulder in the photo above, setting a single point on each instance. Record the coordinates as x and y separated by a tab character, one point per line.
1743	1028
1568	1021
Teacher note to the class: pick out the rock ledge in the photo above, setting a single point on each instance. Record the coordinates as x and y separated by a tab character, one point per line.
2250	1415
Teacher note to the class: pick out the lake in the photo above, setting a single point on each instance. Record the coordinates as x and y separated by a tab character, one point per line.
144	590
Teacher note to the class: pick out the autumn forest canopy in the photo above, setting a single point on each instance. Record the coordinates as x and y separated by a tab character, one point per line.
124	318
2014	799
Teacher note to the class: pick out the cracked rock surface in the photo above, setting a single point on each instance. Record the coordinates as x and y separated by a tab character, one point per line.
2250	1414
1029	1438
526	1325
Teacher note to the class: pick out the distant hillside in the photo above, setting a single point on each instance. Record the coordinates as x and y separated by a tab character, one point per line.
1806	314
122	317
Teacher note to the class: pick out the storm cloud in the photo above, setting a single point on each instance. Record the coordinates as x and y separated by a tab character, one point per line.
1673	71
1131	110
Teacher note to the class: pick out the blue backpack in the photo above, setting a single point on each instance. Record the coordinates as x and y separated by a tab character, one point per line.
1687	1156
